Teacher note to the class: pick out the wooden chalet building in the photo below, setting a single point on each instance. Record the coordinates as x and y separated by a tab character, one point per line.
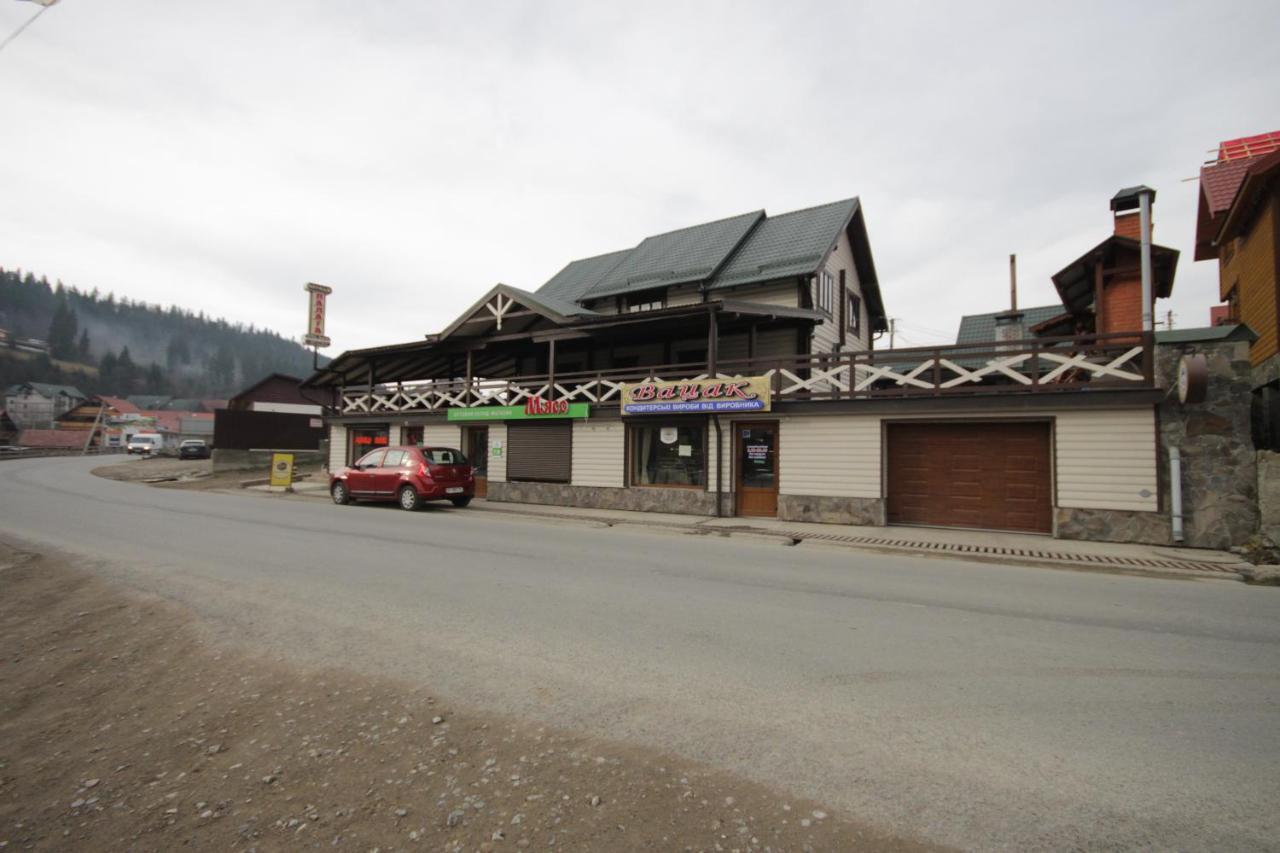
731	368
1239	226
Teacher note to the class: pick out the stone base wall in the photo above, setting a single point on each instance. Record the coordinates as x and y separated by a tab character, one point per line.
1113	525
868	512
1269	494
686	501
260	460
1219	463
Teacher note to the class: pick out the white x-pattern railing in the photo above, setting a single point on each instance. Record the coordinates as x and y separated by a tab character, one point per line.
1047	366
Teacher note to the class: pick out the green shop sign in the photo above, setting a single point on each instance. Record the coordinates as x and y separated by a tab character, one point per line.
535	409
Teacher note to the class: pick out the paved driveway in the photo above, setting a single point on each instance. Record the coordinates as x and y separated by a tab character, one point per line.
978	705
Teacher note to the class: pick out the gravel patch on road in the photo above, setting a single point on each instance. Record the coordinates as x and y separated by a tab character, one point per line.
121	729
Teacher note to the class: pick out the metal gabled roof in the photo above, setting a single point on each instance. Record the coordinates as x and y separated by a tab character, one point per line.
580	276
693	254
790	244
981	328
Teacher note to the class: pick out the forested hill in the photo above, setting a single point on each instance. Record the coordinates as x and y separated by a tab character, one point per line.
108	344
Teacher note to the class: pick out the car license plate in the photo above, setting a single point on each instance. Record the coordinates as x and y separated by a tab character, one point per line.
453	490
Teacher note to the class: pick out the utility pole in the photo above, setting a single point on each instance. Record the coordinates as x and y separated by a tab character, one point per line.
1168	323
892	322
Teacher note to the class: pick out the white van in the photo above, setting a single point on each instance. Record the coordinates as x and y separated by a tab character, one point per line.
145	443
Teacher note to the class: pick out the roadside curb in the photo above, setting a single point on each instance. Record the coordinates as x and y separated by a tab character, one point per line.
1176	568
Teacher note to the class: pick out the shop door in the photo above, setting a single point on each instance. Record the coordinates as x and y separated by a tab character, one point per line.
992	476
756	475
475	445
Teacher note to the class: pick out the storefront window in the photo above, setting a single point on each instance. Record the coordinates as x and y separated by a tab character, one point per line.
364	439
668	454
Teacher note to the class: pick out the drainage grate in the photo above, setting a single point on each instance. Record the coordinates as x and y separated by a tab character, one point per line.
999	551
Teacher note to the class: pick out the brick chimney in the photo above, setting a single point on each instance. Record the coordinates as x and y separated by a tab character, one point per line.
1121	305
1127	225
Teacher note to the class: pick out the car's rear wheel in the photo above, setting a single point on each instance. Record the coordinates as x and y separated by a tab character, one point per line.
460	502
409	498
340	494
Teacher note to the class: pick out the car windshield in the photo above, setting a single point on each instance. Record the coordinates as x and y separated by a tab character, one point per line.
443	456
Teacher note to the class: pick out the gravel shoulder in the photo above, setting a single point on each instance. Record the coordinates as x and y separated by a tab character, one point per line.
121	728
166	472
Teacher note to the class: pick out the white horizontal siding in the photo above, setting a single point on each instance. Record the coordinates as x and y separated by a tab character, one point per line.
598	451
1107	459
678	296
442	435
337	447
393	435
778	293
836	456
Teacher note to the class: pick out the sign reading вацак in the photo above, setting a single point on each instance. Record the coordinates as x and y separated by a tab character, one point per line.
657	397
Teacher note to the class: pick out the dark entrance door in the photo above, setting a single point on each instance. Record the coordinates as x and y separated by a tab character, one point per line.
475	444
756	474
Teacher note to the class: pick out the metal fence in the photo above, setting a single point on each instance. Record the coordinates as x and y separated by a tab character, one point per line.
8	452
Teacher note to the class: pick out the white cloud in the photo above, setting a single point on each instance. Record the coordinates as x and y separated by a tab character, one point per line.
411	155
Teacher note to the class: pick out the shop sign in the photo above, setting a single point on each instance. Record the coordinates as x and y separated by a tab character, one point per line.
281	470
743	394
317	294
534	409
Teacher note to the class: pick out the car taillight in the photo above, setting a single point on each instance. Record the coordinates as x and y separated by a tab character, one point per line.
424	470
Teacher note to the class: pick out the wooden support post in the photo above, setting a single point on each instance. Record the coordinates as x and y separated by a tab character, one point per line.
467	395
713	343
551	369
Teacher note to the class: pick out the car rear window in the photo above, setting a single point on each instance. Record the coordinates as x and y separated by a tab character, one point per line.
443	456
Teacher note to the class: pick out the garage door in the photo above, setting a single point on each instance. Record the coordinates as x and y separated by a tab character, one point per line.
994	476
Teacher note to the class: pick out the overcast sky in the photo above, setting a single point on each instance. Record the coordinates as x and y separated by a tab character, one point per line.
219	155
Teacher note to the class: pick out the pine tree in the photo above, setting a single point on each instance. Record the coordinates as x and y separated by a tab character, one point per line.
62	330
126	373
82	348
155	382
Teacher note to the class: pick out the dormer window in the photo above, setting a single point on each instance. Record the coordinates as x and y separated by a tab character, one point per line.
826	291
643	302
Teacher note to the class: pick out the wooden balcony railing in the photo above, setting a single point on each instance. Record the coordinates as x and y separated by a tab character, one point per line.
1035	366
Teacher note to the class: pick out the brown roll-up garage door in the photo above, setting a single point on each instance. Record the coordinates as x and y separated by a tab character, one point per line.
540	450
990	475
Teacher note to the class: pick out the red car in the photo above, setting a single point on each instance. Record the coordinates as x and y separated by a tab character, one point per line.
407	475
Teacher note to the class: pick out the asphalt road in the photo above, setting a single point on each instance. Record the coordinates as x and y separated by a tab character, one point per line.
983	706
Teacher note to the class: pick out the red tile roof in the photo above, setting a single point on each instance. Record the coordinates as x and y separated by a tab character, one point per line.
1249	146
1220	183
120	404
167	421
55	438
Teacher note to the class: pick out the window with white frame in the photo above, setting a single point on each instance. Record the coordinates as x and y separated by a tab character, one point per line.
826	291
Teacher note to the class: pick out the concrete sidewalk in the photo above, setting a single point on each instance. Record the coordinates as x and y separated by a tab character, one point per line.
982	545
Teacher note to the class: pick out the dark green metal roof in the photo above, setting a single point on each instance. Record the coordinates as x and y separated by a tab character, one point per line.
578	277
980	328
1237	332
788	245
554	304
677	257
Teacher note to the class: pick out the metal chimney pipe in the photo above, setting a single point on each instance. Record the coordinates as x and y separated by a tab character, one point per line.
1144	223
1013	282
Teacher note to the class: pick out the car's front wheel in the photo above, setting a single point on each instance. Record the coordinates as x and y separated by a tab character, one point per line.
409	498
340	494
